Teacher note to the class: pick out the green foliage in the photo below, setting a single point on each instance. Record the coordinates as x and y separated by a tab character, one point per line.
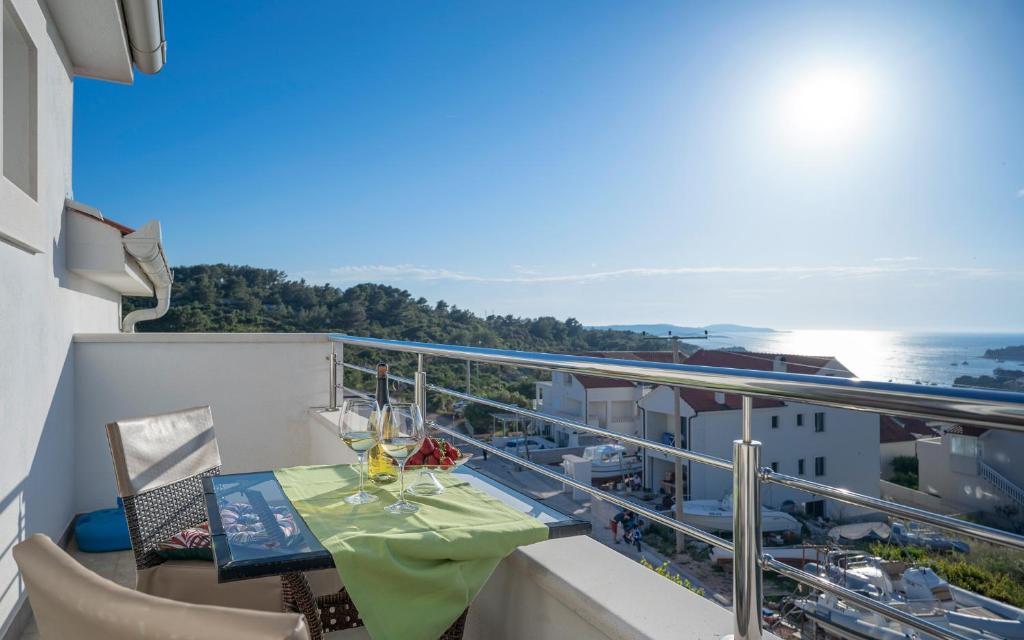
664	571
662	538
905	464
991	571
909	480
231	298
905	471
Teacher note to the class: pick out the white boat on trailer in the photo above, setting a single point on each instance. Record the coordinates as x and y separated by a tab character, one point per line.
916	590
716	515
609	461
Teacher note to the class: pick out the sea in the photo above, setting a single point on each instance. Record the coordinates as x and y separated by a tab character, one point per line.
926	358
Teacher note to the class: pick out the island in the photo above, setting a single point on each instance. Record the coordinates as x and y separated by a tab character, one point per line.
1005	353
1003	379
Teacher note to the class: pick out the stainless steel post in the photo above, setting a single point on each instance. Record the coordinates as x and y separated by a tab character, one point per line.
677	433
420	389
332	394
340	368
746	531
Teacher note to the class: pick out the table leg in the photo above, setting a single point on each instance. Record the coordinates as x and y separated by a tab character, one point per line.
298	597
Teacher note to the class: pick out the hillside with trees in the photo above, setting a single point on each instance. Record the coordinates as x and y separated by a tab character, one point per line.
232	298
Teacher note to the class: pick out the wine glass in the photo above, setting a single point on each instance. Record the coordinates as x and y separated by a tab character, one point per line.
359	429
401	434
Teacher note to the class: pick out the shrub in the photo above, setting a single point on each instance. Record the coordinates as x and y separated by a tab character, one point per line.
904	464
905	479
992	572
664	571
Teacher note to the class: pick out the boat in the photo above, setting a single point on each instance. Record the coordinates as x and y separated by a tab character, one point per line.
915	589
915	535
520	444
608	461
796	556
716	515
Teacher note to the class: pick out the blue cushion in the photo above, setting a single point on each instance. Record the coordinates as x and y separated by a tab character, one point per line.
103	530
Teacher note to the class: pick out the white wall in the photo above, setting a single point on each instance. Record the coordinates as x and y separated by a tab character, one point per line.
572	400
260	386
578	588
41	307
952	478
1004	450
849	444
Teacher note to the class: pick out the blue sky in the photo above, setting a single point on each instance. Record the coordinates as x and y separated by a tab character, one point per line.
795	165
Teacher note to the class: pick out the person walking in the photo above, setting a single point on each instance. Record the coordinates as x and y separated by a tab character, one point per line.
619	518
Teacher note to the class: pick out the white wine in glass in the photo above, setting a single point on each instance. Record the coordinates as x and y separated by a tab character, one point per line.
360	429
401	434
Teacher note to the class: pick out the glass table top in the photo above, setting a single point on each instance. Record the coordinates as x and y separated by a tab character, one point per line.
257	532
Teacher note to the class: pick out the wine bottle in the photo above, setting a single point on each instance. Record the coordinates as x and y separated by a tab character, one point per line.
382	469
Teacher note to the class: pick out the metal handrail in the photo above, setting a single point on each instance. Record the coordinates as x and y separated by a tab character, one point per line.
989	408
720	463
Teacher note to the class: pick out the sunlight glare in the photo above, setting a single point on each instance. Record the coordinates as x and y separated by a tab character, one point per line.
825	107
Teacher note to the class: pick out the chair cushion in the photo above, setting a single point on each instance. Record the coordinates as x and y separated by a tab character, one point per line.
195	581
71	602
102	531
188	544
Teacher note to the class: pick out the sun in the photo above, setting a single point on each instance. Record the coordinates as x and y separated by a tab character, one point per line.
826	107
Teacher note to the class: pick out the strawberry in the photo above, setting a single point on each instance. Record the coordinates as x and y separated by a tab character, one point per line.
415	459
428	447
447	462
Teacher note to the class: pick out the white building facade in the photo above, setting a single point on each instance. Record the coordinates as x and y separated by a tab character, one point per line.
43	303
837	447
601	402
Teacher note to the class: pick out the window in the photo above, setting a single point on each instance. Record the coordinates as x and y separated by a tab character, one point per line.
19	104
567	379
819	421
775	467
966	446
815	508
775	422
800	467
819	466
799	419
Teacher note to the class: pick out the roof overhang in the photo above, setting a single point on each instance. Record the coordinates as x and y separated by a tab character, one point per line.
104	38
95	38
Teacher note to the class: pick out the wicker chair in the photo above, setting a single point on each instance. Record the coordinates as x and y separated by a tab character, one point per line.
69	601
159	464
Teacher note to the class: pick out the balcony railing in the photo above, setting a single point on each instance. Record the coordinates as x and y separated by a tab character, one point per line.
993	409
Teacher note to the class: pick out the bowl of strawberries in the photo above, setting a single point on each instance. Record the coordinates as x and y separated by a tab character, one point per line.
437	454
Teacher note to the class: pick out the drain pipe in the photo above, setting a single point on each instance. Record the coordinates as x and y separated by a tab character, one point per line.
144	21
146	247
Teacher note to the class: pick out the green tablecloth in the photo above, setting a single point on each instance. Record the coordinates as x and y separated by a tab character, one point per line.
409	576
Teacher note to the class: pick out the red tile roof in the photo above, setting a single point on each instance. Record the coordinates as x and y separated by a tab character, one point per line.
967	430
597	382
889	430
756	361
702	401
